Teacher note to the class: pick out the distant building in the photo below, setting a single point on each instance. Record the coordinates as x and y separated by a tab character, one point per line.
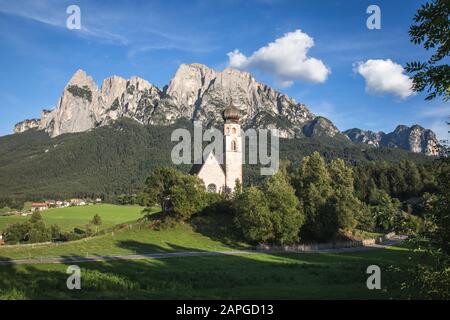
77	202
38	206
51	203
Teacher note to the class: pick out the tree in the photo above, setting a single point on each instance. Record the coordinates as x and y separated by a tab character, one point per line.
159	184
439	211
432	29
384	209
313	188
17	232
183	194
39	233
189	197
271	213
346	204
433	280
96	220
253	215
35	217
286	215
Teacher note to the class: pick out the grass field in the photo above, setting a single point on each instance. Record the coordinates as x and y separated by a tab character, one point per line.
123	242
257	276
71	217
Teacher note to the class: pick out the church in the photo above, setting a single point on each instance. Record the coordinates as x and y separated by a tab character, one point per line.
219	177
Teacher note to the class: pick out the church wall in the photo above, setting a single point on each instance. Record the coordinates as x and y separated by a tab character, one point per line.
211	172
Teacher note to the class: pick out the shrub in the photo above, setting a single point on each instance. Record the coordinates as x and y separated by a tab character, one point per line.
82	92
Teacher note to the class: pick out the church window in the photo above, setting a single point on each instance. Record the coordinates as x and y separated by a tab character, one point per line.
227	131
233	130
212	188
233	145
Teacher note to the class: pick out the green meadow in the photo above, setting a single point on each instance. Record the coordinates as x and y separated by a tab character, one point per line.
242	276
255	276
78	217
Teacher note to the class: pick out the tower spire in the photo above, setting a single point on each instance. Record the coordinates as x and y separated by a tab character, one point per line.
233	147
231	114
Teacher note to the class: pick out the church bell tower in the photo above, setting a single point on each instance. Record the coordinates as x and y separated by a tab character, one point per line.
233	148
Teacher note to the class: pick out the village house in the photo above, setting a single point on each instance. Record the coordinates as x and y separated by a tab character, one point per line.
51	203
39	206
77	202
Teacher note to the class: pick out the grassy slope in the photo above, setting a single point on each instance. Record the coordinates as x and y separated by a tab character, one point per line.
123	242
245	276
69	218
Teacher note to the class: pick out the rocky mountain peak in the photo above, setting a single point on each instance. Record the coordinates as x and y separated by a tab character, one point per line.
26	125
80	78
197	92
415	139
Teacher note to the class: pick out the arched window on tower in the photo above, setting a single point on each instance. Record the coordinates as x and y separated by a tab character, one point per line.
233	130
212	188
233	145
227	131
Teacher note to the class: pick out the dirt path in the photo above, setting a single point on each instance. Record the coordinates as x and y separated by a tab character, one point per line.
71	260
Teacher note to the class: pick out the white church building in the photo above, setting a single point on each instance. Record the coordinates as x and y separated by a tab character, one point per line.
222	177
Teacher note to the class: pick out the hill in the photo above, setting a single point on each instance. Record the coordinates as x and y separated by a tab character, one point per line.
117	158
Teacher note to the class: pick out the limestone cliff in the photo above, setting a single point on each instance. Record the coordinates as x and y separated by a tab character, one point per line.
197	92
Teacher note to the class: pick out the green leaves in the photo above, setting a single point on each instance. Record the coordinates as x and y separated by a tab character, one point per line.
184	194
433	32
270	213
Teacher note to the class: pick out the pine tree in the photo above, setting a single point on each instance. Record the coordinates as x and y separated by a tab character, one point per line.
314	190
347	206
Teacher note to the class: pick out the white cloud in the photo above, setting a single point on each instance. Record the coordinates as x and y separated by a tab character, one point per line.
384	76
285	59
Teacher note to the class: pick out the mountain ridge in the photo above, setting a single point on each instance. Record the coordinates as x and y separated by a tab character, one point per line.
197	92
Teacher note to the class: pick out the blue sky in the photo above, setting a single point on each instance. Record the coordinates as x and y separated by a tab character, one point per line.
151	39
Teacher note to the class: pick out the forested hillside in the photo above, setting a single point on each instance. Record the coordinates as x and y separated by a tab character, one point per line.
117	159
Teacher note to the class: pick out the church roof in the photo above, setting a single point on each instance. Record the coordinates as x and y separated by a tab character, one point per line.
232	114
196	168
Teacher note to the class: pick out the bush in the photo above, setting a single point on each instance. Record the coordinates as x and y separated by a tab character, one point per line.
32	231
82	92
71	236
